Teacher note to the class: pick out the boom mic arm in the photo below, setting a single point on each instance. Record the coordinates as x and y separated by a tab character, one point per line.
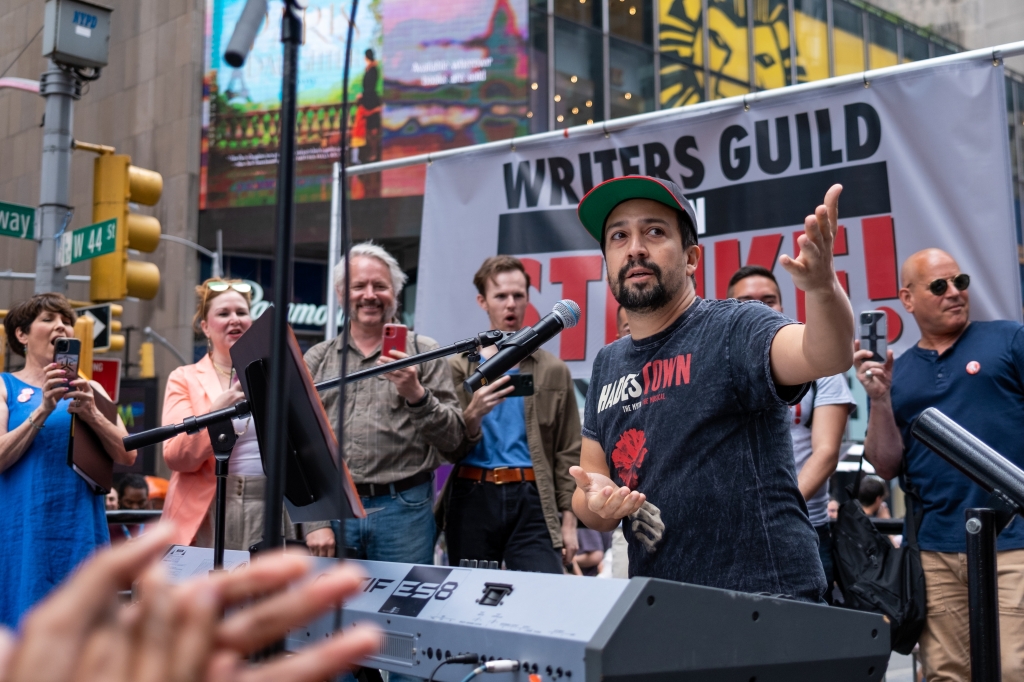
974	459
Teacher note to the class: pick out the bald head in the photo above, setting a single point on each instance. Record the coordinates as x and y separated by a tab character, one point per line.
919	267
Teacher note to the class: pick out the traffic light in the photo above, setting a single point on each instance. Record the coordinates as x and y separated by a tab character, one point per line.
147	363
116	340
116	183
83	332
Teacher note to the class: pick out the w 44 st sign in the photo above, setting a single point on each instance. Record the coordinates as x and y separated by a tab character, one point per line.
87	242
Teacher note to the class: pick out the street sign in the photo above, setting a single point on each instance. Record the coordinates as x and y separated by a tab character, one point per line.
107	373
101	316
87	242
17	221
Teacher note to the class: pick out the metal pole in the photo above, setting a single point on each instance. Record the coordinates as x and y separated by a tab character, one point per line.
983	595
333	250
277	425
705	48
218	259
793	66
831	27
61	88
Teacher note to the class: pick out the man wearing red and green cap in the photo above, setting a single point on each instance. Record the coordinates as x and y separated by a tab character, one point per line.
685	430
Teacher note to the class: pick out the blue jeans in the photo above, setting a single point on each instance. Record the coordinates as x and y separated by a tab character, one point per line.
402	531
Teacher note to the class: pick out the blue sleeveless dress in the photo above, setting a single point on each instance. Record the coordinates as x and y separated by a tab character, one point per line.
49	519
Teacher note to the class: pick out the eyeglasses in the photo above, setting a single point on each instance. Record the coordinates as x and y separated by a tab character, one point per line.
939	286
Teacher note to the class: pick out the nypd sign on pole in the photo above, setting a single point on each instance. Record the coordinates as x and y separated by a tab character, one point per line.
922	155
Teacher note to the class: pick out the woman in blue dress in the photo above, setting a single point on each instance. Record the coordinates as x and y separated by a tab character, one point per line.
49	518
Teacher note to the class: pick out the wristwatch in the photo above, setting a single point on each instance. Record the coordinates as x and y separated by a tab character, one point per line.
422	401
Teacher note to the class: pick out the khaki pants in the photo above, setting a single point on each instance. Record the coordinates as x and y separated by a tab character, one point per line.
243	517
945	642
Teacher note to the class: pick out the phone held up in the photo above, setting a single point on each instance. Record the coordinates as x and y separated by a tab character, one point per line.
66	352
523	384
873	334
394	339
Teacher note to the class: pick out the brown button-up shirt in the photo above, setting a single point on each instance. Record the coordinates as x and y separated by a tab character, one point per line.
385	439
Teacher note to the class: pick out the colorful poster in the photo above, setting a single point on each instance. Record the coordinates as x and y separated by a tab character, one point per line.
455	74
424	77
241	112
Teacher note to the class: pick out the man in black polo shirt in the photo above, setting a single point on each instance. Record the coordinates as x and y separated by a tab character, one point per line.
686	423
974	373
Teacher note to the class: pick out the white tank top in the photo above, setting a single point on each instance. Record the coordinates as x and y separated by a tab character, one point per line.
245	456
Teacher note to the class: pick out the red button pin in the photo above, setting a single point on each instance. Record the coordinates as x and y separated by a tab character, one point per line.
973	367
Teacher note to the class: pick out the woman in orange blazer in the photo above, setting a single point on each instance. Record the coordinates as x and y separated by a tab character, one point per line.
222	315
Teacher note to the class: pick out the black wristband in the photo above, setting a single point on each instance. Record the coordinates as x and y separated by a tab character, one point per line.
422	401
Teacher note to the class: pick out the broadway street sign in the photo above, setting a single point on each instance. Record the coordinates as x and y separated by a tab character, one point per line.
17	221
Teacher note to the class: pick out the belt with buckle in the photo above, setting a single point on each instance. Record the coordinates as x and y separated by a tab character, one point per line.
498	476
375	489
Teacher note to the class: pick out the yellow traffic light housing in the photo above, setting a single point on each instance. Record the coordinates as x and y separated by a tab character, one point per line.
116	339
83	332
116	183
147	361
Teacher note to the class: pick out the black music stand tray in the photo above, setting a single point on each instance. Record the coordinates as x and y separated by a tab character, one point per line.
314	491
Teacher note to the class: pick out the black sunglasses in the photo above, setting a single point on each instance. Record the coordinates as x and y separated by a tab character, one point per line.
939	286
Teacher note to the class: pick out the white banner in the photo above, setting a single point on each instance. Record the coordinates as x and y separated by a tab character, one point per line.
923	157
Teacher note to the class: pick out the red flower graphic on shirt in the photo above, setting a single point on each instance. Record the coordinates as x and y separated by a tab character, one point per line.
628	456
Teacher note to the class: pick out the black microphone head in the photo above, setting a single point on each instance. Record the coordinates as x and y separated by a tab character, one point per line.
568	312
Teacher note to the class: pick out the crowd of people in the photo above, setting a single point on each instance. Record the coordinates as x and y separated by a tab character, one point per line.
709	434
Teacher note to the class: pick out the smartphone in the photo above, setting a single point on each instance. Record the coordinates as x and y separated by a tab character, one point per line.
523	384
394	339
65	353
873	333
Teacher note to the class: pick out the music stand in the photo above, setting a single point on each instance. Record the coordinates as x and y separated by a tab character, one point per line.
313	489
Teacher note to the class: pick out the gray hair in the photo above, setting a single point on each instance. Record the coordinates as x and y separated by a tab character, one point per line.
371	250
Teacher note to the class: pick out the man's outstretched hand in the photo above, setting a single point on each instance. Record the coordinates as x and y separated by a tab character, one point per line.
814	269
604	498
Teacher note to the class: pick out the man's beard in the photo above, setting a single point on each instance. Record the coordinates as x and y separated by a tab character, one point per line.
645	298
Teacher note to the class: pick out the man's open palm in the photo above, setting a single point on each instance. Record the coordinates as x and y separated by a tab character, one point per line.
604	498
814	268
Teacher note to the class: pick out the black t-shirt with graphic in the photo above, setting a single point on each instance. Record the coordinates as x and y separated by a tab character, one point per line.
691	418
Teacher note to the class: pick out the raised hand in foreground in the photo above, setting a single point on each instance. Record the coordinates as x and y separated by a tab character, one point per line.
175	633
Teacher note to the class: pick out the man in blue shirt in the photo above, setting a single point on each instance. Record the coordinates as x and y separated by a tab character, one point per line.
973	372
510	495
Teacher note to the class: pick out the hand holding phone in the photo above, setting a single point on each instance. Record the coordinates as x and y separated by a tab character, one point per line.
394	339
522	383
873	332
66	352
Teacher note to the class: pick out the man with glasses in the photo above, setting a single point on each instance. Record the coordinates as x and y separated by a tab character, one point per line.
971	371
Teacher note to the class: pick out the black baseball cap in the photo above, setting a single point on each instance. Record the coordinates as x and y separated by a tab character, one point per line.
599	202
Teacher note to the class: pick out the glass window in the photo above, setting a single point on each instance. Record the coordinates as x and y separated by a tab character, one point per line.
915	47
811	23
682	83
772	47
579	89
882	49
849	38
539	98
587	12
727	33
631	19
630	78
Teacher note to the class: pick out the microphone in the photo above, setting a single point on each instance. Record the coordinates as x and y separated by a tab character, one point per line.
523	343
973	458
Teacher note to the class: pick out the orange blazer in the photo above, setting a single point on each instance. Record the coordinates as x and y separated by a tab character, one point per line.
190	391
